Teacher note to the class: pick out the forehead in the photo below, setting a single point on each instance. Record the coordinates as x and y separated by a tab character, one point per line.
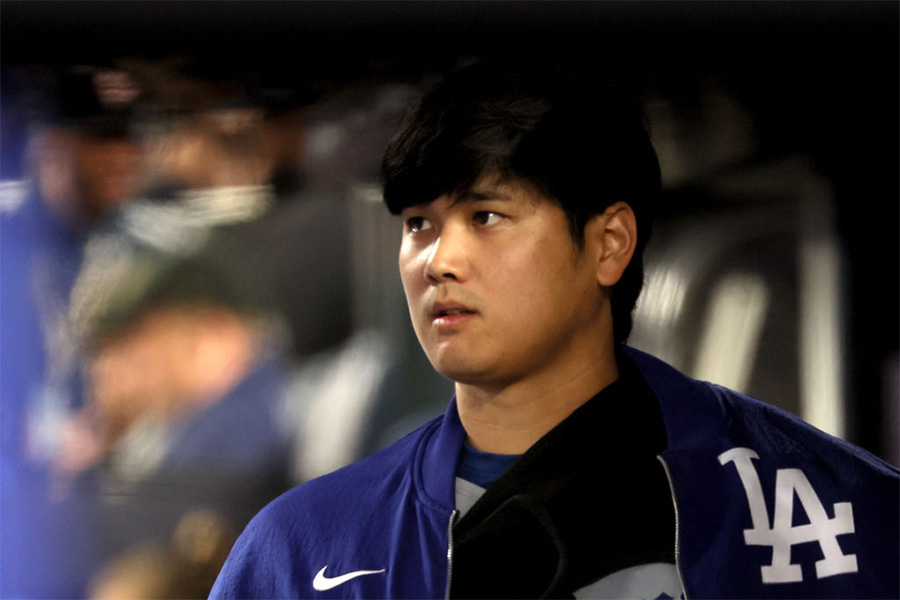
494	188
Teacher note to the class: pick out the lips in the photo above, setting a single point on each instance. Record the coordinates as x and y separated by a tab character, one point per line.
450	309
449	316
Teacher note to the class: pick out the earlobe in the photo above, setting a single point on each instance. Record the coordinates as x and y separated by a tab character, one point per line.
615	234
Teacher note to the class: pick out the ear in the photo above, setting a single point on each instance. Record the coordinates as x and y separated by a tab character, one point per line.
613	238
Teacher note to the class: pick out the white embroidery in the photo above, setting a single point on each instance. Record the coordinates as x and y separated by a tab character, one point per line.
782	535
323	583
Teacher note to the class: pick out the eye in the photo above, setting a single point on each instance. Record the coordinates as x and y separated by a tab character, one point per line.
415	224
486	218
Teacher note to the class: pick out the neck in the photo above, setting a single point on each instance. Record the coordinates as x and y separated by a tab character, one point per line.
509	419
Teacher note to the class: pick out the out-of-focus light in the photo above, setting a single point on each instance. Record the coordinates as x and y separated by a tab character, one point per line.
730	337
12	195
821	364
662	300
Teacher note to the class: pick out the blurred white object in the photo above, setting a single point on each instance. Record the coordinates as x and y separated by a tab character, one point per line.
333	399
730	338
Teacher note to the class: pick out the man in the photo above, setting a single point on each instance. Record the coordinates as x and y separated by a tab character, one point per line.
567	464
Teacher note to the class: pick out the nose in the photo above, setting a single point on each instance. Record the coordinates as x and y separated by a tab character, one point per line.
447	257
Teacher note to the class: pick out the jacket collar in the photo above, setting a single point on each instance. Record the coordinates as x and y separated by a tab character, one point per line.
439	458
691	410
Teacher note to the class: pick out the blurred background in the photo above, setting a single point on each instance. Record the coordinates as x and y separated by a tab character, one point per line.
199	303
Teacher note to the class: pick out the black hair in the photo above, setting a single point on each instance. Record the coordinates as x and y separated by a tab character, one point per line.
580	142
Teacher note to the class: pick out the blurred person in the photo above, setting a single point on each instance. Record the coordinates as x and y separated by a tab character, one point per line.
567	464
224	132
185	397
220	147
228	163
79	159
173	369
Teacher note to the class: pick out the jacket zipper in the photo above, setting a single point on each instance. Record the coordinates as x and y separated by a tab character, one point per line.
450	552
677	529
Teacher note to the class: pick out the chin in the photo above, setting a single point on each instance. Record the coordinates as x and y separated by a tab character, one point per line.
465	361
464	372
459	369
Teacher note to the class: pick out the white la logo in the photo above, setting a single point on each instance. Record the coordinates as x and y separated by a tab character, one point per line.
782	534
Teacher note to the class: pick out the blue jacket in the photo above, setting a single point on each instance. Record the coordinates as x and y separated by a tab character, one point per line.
766	507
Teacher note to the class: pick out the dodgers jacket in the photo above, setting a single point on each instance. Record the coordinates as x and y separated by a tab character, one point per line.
766	507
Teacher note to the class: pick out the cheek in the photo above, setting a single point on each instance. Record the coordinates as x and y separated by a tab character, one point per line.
540	286
411	274
524	271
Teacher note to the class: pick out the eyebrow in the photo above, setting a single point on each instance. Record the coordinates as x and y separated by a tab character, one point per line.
469	195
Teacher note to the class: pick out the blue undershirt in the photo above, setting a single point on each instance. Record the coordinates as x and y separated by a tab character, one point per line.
483	468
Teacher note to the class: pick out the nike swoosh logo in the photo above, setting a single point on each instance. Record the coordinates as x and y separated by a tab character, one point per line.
322	583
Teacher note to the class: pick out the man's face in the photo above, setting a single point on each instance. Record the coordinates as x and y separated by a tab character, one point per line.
497	289
142	367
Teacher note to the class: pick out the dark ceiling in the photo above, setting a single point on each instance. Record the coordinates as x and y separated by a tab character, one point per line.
797	65
318	36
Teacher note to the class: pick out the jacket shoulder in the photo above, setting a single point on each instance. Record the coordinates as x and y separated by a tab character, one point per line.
782	432
703	416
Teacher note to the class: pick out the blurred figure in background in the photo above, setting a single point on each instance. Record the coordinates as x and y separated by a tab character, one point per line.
228	163
186	345
76	161
185	407
183	380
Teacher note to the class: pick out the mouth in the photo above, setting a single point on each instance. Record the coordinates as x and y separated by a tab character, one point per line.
453	312
450	314
450	309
